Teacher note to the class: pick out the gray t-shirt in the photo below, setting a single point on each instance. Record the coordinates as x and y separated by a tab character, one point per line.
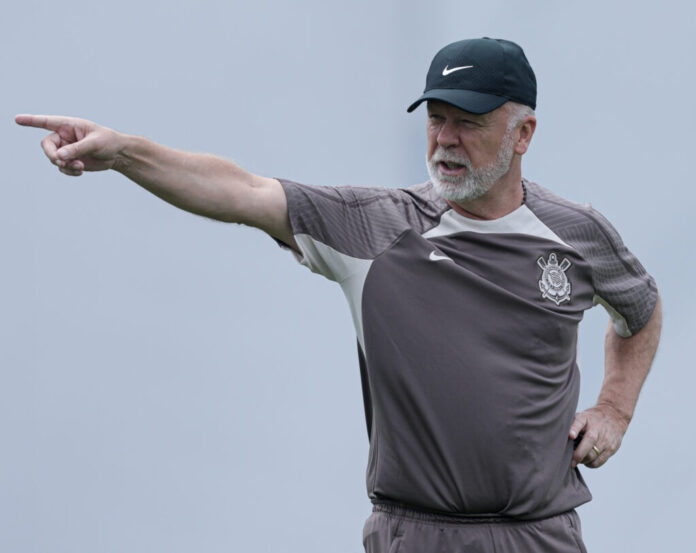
467	337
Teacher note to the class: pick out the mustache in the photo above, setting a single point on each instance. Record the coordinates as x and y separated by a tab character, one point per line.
450	157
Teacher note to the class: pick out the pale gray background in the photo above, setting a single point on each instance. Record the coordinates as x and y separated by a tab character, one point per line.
173	384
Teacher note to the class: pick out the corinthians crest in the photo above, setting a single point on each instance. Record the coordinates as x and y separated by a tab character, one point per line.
554	283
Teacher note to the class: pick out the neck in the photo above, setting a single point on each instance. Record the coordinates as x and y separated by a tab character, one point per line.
504	197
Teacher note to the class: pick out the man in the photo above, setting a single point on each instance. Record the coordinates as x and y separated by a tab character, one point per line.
466	293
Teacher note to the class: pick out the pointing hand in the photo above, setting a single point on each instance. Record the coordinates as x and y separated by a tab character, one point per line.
76	145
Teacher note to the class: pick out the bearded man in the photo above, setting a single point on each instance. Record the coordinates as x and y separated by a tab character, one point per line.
466	293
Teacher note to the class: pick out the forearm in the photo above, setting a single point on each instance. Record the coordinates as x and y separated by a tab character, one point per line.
200	183
627	363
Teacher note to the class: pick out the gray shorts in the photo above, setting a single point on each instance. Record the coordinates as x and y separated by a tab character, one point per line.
393	529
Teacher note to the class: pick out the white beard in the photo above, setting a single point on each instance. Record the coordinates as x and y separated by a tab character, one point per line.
473	183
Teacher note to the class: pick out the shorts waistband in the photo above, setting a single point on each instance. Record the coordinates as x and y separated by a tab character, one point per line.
402	511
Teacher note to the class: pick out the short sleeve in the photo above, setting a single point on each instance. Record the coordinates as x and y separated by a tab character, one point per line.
337	227
622	285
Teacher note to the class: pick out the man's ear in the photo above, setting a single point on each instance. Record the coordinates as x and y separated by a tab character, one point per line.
526	131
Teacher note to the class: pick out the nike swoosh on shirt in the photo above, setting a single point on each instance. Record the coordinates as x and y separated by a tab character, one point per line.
435	257
446	71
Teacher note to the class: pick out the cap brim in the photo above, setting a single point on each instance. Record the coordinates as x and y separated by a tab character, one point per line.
467	100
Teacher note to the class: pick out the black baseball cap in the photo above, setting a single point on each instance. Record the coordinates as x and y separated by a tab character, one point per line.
479	75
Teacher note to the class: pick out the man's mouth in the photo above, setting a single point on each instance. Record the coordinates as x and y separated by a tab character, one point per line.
450	168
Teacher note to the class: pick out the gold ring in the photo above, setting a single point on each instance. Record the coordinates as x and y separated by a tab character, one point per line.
596	450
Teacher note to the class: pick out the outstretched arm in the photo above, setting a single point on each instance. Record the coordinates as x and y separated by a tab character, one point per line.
627	362
200	183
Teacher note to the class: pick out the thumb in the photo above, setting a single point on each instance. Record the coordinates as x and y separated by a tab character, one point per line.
78	149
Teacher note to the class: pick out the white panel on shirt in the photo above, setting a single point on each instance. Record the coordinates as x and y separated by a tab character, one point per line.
349	272
520	221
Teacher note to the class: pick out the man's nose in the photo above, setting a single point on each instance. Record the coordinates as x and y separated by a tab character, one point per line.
448	135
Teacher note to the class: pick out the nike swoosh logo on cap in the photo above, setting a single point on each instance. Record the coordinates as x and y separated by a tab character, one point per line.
435	257
446	71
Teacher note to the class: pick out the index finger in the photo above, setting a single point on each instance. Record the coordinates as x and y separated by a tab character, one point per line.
50	122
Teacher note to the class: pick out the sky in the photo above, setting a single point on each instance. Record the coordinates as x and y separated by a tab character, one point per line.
170	383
